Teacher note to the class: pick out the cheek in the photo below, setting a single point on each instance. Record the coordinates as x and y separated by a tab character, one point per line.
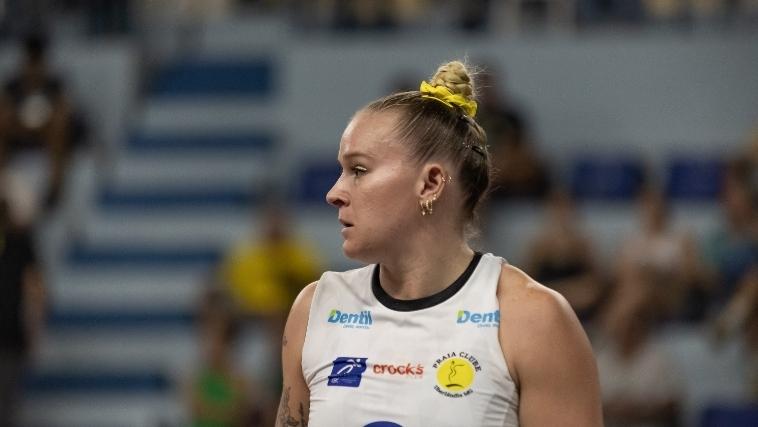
388	199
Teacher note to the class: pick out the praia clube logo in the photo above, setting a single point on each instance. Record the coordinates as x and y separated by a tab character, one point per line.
360	320
482	320
455	374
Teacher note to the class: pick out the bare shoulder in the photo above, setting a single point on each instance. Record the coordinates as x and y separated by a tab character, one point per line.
297	321
521	298
302	304
535	320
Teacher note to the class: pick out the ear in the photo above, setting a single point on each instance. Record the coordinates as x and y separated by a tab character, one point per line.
432	181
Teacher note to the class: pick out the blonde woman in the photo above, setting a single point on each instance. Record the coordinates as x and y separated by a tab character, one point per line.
430	333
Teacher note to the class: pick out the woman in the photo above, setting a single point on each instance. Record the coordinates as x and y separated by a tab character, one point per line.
431	334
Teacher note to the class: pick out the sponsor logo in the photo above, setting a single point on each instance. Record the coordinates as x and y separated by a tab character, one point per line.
360	320
455	374
482	320
347	371
407	370
383	424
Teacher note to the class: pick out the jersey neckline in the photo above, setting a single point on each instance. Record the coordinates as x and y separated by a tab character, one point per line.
426	302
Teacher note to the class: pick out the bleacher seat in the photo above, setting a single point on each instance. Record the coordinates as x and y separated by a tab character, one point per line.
143	257
252	78
94	382
694	179
730	416
317	179
187	198
149	319
606	179
193	142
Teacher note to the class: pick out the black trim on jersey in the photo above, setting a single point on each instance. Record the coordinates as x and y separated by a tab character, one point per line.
426	302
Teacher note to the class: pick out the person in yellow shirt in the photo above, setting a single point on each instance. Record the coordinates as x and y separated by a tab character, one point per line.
262	276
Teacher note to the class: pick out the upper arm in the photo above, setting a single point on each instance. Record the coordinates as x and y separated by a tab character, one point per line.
295	401
548	355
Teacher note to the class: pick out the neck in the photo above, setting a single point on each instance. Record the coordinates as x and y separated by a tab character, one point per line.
427	267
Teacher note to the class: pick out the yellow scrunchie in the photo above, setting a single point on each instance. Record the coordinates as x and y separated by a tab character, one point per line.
443	94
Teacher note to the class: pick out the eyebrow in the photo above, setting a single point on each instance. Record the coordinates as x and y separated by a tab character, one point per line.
354	154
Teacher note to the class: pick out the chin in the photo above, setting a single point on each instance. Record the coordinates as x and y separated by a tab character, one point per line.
356	253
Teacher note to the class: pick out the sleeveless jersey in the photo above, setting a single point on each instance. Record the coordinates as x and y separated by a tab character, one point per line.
375	361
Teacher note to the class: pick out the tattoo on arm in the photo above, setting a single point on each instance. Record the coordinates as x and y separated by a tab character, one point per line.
303	421
284	341
284	417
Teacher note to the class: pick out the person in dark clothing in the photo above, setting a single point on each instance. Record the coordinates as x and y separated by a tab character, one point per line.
36	114
21	310
519	172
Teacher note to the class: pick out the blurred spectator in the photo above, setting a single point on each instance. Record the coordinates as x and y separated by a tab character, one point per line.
475	14
19	17
22	310
108	17
519	172
263	275
36	114
365	14
639	384
664	260
733	251
561	258
593	12
220	394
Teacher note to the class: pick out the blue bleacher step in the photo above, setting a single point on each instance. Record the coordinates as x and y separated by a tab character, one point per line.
55	382
180	198
119	319
695	179
317	178
730	415
236	142
142	257
252	78
613	179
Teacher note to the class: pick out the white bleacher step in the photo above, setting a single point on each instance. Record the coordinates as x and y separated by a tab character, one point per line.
182	170
170	350
219	228
93	410
202	114
216	228
165	289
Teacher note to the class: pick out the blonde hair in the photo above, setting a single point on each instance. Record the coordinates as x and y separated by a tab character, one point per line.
433	129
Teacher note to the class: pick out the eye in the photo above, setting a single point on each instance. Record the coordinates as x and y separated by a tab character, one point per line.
359	170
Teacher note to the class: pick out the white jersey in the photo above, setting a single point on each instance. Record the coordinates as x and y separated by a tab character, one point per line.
375	361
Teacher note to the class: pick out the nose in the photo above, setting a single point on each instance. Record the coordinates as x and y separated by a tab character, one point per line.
336	196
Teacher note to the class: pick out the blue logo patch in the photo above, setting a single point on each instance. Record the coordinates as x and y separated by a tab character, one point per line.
347	371
360	320
383	424
482	319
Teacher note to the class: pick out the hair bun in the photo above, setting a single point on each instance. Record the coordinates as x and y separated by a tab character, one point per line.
455	77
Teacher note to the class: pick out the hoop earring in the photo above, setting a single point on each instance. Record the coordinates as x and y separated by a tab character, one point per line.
428	206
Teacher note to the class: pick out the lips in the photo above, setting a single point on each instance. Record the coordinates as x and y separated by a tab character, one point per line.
345	223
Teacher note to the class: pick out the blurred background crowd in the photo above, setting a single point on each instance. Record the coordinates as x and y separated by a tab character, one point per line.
163	168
